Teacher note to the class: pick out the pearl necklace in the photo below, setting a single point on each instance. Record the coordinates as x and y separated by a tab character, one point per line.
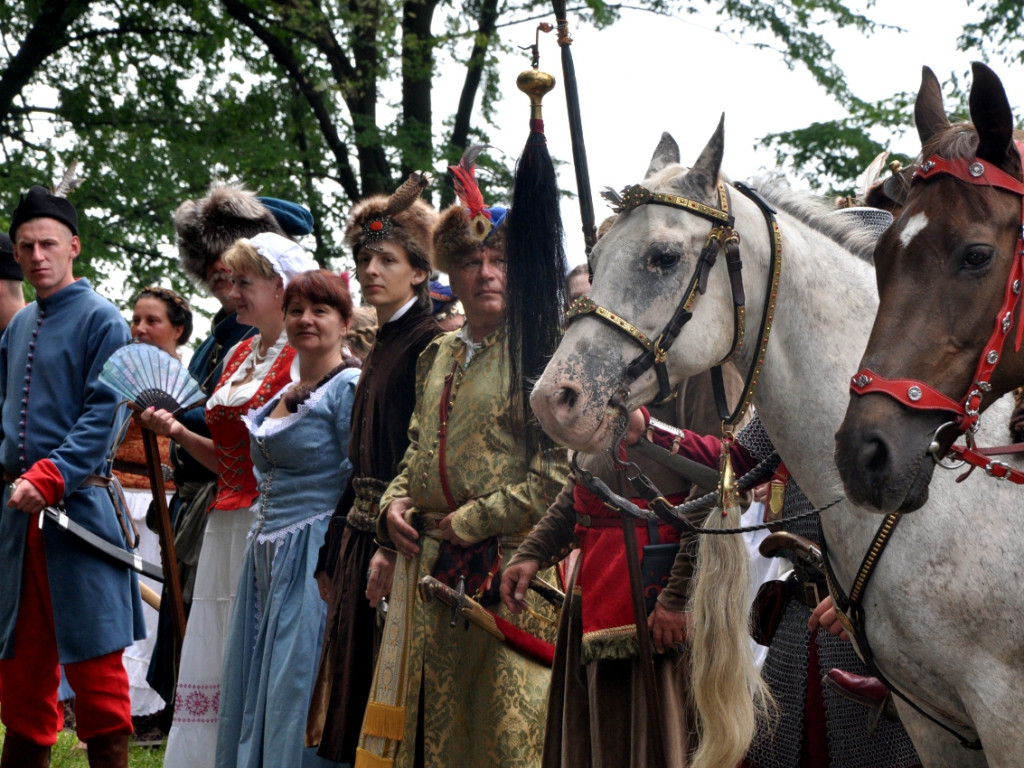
255	358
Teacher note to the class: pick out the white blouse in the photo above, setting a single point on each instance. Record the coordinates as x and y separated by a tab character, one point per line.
231	395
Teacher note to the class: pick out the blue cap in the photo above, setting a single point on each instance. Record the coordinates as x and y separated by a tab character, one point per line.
440	296
295	219
497	214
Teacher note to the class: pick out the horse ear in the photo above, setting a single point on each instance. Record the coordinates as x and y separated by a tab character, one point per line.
929	111
991	115
705	171
666	154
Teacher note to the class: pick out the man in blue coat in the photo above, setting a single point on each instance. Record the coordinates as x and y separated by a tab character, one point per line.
59	602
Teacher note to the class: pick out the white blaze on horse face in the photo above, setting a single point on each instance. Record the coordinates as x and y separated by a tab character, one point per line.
911	229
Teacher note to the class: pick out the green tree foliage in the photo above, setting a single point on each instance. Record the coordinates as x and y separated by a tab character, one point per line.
830	155
319	101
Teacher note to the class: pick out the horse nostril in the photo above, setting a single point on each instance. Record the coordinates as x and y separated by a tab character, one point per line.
566	397
874	458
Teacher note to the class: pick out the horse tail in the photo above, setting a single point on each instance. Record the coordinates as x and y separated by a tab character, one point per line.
728	693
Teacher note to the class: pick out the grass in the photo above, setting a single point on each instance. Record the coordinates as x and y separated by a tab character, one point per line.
67	755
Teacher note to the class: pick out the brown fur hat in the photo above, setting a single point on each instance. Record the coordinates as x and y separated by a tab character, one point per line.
457	236
209	226
402	218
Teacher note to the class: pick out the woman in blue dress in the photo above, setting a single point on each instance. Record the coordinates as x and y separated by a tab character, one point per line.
300	451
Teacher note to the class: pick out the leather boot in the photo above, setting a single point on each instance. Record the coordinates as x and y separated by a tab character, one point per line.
19	752
109	751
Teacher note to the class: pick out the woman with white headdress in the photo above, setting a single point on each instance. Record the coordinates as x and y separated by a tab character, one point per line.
256	370
279	619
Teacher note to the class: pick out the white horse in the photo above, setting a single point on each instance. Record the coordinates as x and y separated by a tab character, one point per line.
944	608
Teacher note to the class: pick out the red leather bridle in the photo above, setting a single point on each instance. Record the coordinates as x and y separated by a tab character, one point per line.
921	396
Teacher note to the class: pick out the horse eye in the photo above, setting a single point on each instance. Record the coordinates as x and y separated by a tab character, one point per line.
663	257
976	256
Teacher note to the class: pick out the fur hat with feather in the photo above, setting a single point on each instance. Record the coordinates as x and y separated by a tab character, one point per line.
470	224
403	218
209	226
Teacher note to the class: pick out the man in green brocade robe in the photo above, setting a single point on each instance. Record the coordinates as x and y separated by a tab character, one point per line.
445	696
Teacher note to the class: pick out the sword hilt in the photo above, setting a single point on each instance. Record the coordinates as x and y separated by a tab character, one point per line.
460	599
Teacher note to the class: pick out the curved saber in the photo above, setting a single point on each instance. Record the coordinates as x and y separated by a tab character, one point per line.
504	631
108	550
579	149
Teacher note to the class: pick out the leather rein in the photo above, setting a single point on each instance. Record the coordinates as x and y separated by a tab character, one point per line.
654	353
966	412
921	396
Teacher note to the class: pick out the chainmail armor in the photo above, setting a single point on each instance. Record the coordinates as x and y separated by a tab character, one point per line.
785	671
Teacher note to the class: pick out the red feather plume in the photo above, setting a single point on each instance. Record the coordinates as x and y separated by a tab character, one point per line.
464	181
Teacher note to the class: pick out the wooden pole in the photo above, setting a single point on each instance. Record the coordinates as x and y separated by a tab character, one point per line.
643	638
168	556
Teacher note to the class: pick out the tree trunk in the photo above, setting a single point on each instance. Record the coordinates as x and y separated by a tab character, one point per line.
47	36
416	143
470	86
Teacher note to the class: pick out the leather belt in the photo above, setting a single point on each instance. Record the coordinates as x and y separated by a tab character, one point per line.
809	592
131	533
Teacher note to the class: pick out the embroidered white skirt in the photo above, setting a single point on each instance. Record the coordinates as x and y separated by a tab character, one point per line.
192	742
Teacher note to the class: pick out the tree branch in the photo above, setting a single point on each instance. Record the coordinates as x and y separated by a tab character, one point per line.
285	58
47	36
94	34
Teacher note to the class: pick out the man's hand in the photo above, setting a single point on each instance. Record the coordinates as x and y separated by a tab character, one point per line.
403	535
825	616
762	492
26	497
448	533
379	576
515	580
669	628
323	583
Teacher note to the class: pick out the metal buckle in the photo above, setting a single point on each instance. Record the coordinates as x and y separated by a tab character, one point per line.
995	463
660	352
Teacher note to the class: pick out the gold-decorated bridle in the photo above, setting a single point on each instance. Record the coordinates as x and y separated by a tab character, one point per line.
654	352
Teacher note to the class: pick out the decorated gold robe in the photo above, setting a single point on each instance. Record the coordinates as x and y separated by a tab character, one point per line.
484	703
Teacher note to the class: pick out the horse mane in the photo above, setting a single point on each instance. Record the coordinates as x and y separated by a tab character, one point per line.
958	142
814	211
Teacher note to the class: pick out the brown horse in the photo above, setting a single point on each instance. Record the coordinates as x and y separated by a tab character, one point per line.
946	269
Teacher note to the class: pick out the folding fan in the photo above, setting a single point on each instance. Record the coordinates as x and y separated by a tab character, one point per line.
148	376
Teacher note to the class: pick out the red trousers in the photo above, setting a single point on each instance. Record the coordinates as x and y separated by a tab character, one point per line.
29	680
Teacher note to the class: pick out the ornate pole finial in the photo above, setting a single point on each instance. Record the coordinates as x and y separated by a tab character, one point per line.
535	84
